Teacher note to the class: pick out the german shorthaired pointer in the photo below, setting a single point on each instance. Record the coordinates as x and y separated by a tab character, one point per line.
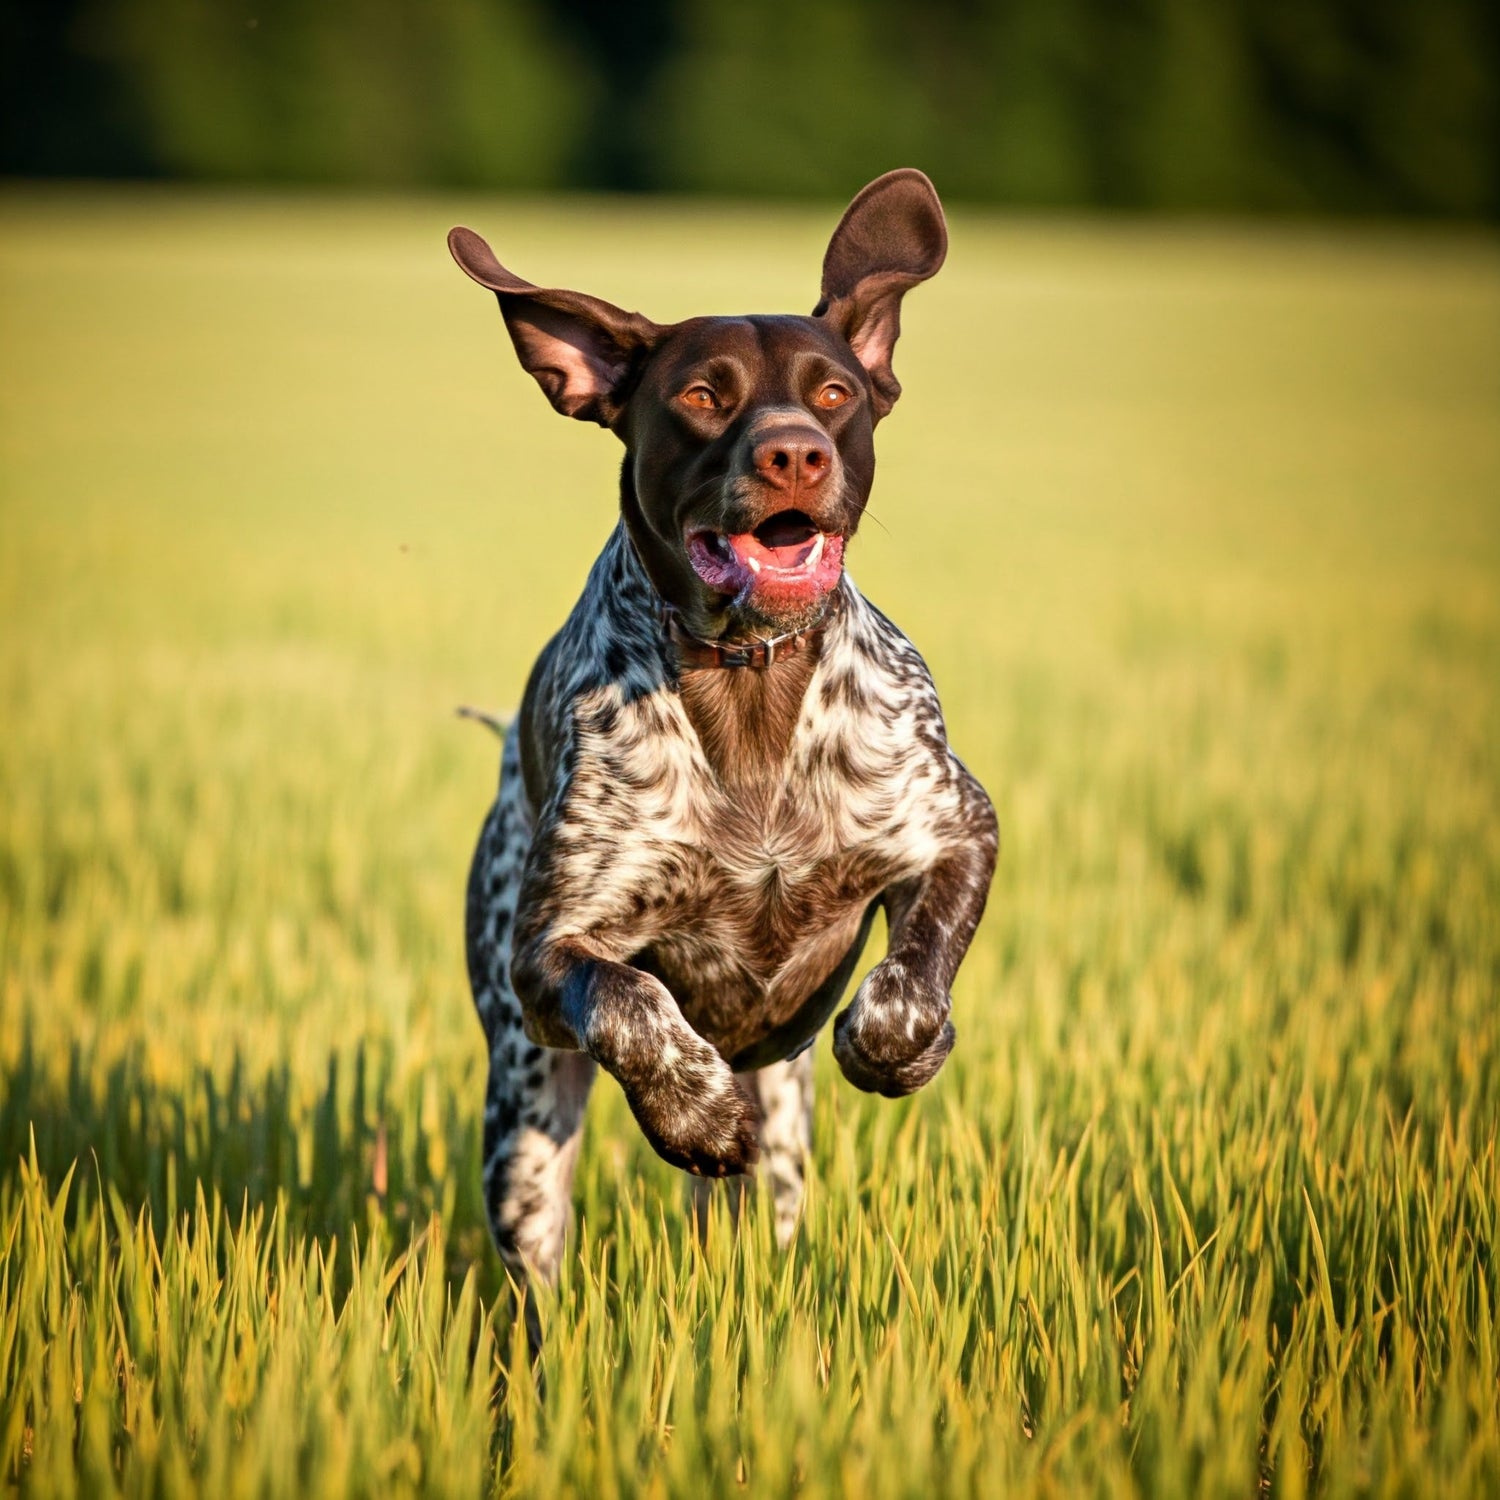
727	758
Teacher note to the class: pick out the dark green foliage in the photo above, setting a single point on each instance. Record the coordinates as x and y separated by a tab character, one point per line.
1252	105
344	91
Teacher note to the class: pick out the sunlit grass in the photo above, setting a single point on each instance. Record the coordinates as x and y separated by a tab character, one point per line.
1199	529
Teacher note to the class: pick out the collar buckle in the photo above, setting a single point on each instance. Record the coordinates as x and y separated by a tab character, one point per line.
754	655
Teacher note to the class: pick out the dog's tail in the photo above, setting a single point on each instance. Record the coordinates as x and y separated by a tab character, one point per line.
490	721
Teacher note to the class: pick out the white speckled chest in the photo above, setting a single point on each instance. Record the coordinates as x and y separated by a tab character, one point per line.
745	899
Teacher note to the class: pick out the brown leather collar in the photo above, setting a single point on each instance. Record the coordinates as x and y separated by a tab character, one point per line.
757	655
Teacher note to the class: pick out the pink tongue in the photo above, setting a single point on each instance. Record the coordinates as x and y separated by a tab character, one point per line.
746	546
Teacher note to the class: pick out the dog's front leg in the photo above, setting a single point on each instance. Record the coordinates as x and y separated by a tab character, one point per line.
680	1090
896	1033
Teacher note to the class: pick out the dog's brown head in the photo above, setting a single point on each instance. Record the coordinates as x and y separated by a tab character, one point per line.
749	440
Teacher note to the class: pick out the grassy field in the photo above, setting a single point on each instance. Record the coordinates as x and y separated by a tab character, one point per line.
1199	529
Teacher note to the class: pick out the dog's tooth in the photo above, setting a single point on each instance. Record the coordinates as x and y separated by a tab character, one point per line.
754	564
816	554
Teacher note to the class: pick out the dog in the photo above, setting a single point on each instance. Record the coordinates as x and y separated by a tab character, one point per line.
727	759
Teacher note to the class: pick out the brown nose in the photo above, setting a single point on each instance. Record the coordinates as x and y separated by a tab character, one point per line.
792	458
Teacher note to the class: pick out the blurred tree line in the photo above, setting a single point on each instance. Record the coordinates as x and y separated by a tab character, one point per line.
1389	106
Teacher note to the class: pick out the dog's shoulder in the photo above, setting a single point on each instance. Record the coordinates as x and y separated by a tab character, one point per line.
872	679
611	637
601	721
606	654
874	731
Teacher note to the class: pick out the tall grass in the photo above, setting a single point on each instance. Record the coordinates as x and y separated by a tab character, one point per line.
1199	529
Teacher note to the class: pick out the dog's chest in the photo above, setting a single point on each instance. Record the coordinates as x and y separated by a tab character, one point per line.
768	872
744	896
762	902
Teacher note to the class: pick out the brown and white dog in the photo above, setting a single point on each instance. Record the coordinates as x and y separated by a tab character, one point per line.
727	758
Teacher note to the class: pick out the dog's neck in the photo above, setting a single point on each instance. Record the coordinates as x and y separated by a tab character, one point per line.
744	715
754	655
745	719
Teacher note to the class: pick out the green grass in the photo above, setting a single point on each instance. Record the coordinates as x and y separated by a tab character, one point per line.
1199	529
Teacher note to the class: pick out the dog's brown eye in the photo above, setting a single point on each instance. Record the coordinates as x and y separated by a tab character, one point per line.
701	397
832	395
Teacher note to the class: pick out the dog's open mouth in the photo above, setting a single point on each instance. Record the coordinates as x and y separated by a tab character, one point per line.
786	556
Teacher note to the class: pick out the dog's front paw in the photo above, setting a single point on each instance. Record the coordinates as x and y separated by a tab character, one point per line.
895	1035
696	1115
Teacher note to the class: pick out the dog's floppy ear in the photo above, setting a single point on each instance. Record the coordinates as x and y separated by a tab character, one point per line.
891	237
581	350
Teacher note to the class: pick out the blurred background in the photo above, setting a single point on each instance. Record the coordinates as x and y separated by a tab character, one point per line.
1347	106
1192	504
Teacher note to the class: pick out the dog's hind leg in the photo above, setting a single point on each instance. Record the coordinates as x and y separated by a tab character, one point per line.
533	1122
534	1103
784	1092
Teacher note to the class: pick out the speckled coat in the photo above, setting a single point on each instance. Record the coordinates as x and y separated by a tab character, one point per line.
680	923
727	759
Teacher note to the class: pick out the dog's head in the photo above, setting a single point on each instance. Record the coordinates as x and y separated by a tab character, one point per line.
749	440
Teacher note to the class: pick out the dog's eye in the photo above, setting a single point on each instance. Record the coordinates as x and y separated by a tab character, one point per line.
701	397
832	395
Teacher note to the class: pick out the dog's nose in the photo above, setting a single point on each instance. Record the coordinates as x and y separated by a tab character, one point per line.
792	458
